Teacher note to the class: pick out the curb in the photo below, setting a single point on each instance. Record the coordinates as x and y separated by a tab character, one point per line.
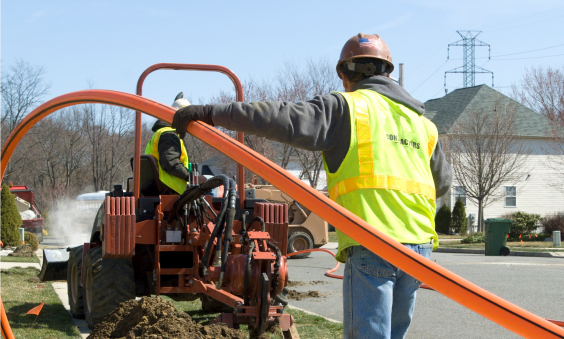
315	314
513	253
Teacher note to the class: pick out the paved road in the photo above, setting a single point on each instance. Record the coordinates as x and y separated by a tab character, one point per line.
529	282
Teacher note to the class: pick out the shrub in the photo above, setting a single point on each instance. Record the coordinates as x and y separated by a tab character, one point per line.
474	238
443	220
554	222
11	219
459	219
522	223
31	238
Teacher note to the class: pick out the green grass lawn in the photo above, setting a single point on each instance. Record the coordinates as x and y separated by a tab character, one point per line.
309	326
20	295
20	259
332	236
527	246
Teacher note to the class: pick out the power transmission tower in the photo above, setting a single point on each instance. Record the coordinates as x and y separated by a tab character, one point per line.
469	69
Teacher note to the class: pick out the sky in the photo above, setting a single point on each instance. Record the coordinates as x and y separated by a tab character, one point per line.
108	44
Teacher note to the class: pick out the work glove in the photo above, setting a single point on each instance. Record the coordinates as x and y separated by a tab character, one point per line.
189	113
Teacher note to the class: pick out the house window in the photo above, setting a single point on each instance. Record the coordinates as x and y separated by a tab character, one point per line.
510	196
460	192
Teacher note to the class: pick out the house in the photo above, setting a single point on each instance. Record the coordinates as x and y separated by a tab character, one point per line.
534	191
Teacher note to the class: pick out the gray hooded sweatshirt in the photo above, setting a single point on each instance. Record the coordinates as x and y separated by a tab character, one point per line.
320	124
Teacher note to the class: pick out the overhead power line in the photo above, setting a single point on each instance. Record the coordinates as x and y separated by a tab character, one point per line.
538	57
530	16
531	23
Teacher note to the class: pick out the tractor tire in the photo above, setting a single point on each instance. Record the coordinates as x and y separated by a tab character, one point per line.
75	291
107	283
209	304
299	241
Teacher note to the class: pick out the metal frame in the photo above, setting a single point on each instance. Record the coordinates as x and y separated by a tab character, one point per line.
186	67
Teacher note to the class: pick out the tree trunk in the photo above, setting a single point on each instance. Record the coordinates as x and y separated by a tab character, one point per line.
480	217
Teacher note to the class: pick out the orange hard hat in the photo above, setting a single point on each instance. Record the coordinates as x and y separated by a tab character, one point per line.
365	46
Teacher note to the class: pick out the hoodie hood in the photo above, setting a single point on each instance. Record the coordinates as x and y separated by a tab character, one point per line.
159	124
390	89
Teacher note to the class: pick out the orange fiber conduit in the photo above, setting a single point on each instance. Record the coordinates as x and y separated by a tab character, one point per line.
512	317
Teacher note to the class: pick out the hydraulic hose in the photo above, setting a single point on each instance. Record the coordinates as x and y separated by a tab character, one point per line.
228	232
262	224
506	314
5	325
219	222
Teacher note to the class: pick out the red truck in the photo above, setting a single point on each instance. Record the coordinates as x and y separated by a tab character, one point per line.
31	218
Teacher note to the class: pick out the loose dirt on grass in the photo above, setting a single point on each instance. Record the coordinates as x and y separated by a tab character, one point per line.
295	295
24	250
159	319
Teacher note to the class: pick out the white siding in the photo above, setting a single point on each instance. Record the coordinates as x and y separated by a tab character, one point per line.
535	194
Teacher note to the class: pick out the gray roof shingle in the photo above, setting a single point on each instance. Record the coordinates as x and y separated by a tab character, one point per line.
445	111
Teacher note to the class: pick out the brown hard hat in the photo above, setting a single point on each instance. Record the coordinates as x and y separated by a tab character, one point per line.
365	46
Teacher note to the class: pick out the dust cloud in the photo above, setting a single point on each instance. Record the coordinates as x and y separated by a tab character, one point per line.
72	220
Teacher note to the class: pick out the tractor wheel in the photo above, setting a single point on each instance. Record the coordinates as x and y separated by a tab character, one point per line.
107	283
209	304
75	291
299	241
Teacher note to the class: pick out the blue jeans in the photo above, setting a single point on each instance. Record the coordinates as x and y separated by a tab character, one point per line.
378	298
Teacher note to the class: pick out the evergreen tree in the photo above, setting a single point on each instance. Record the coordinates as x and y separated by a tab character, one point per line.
459	219
443	220
11	219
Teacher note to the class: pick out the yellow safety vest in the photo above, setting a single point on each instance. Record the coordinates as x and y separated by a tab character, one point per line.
386	178
176	183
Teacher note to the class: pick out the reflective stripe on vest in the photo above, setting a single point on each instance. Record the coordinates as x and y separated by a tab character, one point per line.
176	183
385	177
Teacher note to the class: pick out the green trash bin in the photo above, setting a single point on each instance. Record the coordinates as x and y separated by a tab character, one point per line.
496	236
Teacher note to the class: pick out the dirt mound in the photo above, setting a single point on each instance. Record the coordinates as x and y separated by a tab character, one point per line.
159	319
292	283
25	250
295	295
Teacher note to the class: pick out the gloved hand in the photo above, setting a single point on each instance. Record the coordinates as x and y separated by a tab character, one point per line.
189	113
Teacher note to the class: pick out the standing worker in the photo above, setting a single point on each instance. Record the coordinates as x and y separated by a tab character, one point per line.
169	150
383	163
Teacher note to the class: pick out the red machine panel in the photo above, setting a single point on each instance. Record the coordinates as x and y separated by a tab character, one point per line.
276	221
118	230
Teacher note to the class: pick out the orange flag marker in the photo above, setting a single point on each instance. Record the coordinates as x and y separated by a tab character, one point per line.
508	236
519	236
529	237
536	236
521	241
36	309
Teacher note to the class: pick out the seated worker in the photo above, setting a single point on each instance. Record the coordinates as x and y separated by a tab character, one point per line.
169	150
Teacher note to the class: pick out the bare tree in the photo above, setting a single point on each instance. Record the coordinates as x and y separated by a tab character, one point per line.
110	136
542	90
485	153
23	89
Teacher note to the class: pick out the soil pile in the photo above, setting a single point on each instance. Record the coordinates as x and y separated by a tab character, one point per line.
292	283
159	319
295	295
25	250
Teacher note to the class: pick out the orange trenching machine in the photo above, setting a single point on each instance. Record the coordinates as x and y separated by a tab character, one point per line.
193	245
